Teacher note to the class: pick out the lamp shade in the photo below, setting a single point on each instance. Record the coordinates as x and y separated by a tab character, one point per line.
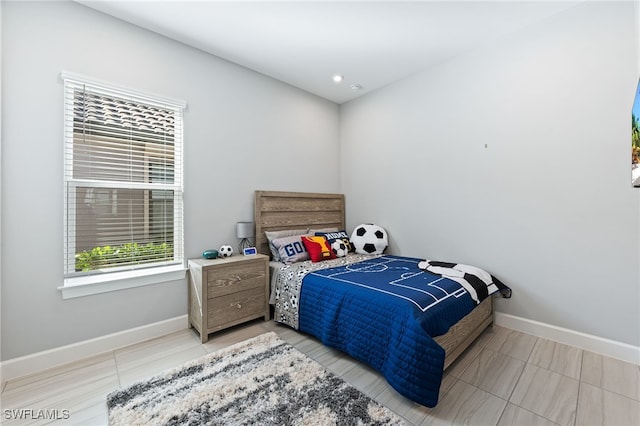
244	229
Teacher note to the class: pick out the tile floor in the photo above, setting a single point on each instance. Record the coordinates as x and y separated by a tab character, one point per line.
504	378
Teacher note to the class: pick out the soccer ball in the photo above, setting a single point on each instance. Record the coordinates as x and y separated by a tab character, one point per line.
339	248
225	251
369	239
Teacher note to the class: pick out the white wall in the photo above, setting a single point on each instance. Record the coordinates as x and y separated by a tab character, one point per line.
515	158
243	131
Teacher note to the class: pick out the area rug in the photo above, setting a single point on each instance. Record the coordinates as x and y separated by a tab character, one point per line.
261	381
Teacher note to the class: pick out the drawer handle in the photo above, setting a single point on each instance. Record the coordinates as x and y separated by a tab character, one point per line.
238	305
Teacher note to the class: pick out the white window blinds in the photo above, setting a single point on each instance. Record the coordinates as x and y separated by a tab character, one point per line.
123	179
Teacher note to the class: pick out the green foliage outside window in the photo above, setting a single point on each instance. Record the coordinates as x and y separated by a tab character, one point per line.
635	139
130	253
635	131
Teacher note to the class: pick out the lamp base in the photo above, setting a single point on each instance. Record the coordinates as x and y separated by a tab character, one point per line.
244	243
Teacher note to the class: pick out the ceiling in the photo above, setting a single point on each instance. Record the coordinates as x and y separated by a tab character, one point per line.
305	43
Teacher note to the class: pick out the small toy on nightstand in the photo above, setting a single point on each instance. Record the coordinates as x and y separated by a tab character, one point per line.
225	251
210	254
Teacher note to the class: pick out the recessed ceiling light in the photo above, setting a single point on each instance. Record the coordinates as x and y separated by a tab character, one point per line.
338	78
356	87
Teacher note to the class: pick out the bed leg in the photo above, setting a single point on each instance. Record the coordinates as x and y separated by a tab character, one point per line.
493	314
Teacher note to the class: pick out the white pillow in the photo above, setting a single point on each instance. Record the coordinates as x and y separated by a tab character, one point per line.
272	235
291	249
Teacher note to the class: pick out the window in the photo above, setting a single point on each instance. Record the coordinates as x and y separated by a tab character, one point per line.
122	184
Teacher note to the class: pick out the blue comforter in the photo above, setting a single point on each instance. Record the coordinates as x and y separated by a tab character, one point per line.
384	312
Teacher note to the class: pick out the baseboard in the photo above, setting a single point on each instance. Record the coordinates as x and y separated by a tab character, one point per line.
50	358
611	348
40	361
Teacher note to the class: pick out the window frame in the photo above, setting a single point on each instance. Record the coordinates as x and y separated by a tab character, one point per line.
111	279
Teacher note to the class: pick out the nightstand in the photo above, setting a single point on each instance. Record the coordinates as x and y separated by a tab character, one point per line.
226	292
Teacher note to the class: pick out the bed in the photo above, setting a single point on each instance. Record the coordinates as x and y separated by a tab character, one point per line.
394	343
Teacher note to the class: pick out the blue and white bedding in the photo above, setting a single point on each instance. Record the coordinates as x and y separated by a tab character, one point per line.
382	310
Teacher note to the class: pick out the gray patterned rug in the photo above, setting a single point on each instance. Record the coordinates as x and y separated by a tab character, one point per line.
261	381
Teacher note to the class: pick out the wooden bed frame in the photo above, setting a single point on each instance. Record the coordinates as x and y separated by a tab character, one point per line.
275	211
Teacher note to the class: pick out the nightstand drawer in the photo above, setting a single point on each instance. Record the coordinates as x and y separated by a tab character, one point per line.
232	278
235	307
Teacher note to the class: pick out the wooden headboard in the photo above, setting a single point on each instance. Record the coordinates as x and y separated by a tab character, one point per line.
274	211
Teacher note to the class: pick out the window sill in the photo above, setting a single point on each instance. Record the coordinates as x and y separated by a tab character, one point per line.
95	284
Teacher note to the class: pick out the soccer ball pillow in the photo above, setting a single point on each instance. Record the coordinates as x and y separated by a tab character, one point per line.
225	251
338	241
339	248
369	239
